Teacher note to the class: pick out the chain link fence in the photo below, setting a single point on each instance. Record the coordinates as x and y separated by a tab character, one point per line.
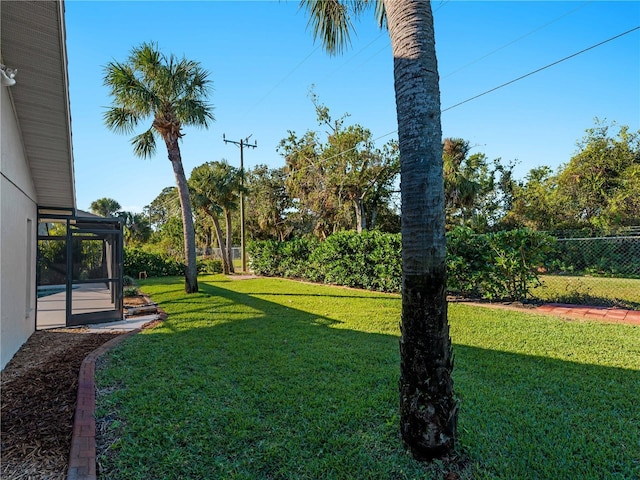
611	256
592	269
216	253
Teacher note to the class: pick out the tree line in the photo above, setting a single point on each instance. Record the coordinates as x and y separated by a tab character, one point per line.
319	192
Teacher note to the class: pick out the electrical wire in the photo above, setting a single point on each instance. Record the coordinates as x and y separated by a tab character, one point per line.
507	83
442	4
255	104
541	68
514	41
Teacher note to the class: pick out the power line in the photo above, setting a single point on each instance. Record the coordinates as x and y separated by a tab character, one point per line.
506	83
442	4
359	52
515	40
541	69
281	81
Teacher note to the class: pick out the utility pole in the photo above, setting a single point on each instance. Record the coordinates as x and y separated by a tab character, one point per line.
242	143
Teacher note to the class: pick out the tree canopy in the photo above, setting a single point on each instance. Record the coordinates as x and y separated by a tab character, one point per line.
341	183
105	207
598	188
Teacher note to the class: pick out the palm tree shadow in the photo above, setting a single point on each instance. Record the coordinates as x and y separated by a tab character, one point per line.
540	409
285	371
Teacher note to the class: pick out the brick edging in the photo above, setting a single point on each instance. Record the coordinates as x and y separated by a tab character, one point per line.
82	458
573	312
602	314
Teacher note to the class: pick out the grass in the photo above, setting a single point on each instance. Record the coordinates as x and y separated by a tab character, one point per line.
603	291
270	378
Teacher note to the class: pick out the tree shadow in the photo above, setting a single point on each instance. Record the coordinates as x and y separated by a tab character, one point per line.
548	417
278	392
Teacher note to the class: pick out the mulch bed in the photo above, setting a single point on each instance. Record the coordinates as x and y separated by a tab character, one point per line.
38	397
38	393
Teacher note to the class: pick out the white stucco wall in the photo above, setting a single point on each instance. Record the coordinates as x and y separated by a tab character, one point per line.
18	227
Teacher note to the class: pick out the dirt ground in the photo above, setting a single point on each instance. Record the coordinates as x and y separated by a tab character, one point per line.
38	391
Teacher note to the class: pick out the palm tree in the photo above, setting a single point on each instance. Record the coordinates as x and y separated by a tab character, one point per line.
461	189
105	207
216	190
136	227
428	410
172	92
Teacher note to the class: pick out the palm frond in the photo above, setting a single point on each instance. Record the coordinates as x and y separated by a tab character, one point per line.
194	112
381	14
147	59
127	89
121	119
330	21
144	145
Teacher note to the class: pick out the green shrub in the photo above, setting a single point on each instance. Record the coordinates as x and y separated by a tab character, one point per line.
468	262
209	266
498	266
271	258
131	292
517	256
264	257
295	256
128	281
155	265
370	260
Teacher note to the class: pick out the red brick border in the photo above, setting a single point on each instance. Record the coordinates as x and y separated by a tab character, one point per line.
601	314
82	459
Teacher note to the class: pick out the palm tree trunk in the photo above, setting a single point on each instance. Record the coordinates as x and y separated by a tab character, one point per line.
221	244
191	270
229	250
428	409
361	219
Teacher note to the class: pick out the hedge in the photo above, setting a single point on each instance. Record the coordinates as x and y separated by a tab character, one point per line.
502	265
155	265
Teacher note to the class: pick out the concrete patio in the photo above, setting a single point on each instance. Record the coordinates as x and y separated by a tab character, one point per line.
86	298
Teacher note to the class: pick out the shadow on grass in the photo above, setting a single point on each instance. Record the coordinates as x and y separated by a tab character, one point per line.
594	301
254	389
535	417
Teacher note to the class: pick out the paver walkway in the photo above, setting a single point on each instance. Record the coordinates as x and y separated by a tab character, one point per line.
610	315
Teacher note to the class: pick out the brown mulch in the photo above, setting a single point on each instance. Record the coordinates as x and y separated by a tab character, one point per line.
38	397
38	392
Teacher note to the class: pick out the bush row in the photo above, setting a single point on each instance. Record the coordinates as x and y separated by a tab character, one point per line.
501	265
496	266
137	260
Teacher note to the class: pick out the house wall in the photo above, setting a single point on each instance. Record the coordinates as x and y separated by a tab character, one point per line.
18	237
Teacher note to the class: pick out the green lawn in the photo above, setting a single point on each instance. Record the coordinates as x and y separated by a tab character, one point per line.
610	292
276	379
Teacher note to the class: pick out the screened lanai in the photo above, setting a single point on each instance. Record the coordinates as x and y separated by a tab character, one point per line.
79	269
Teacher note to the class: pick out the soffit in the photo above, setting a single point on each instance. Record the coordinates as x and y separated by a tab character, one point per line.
34	43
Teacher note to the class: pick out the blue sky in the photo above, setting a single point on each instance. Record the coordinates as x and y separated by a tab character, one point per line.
262	59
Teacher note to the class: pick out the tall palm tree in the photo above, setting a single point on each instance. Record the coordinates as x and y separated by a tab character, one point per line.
216	189
172	92
428	410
